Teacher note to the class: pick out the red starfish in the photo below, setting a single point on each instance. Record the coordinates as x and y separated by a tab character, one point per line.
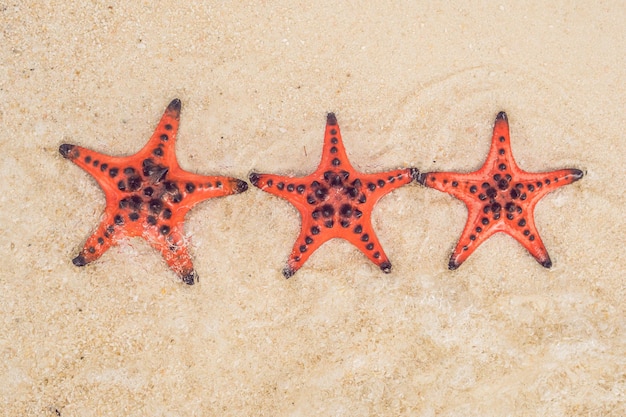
500	197
334	201
148	195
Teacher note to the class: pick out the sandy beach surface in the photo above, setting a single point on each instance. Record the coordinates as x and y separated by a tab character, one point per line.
413	84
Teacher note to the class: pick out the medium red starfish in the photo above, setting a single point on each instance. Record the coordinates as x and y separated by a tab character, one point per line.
148	195
500	197
334	201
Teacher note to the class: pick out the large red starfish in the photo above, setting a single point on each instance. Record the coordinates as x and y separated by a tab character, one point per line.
334	201
148	195
500	197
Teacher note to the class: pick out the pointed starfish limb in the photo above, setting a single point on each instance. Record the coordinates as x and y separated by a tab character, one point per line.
500	197
335	201
148	195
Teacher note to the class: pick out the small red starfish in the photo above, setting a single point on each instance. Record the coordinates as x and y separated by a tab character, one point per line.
334	201
500	197
148	195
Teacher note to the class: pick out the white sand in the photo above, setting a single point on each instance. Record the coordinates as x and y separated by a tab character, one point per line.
412	85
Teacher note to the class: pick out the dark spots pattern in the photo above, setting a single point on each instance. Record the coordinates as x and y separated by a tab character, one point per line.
328	210
155	206
134	183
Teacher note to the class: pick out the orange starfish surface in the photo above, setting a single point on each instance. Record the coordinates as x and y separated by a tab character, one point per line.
500	197
334	201
148	195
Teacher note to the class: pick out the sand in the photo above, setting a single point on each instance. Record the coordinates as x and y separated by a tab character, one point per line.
413	85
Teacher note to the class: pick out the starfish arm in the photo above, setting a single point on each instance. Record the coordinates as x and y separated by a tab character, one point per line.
364	237
500	156
308	241
528	236
162	143
475	232
461	186
535	186
289	188
375	186
99	242
334	154
195	188
106	170
173	248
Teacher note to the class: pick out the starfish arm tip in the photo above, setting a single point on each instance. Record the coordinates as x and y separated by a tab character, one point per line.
288	271
419	177
331	119
453	264
254	178
546	263
65	150
241	186
386	267
578	174
191	277
79	261
175	105
501	116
